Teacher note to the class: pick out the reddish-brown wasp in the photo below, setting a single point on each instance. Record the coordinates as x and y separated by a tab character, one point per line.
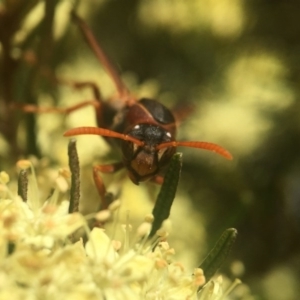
146	128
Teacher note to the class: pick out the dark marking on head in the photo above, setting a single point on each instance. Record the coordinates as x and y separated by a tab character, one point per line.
158	111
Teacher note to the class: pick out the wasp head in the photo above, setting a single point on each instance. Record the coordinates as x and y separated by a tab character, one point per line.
146	160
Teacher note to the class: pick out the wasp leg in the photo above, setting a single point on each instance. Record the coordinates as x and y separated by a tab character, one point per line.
123	92
105	197
31	108
30	58
111	168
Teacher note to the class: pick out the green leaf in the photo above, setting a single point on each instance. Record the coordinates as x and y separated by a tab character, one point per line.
23	184
75	177
219	253
162	208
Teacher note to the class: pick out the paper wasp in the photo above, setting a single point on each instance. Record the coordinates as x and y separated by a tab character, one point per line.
145	127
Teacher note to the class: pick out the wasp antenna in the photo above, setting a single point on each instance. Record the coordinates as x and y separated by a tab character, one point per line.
200	145
100	54
102	132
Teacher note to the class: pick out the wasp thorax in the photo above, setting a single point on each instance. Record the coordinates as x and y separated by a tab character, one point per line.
143	162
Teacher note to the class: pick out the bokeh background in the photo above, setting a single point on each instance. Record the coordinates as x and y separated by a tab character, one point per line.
235	62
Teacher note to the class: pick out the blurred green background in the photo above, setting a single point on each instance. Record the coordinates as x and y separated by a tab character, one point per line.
237	62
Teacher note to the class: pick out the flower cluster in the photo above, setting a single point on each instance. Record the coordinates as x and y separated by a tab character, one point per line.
39	260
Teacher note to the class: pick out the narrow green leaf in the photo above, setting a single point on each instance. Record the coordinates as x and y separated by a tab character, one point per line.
23	184
162	208
219	253
75	177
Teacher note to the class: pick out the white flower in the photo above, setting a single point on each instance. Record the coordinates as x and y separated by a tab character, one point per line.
41	226
39	261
